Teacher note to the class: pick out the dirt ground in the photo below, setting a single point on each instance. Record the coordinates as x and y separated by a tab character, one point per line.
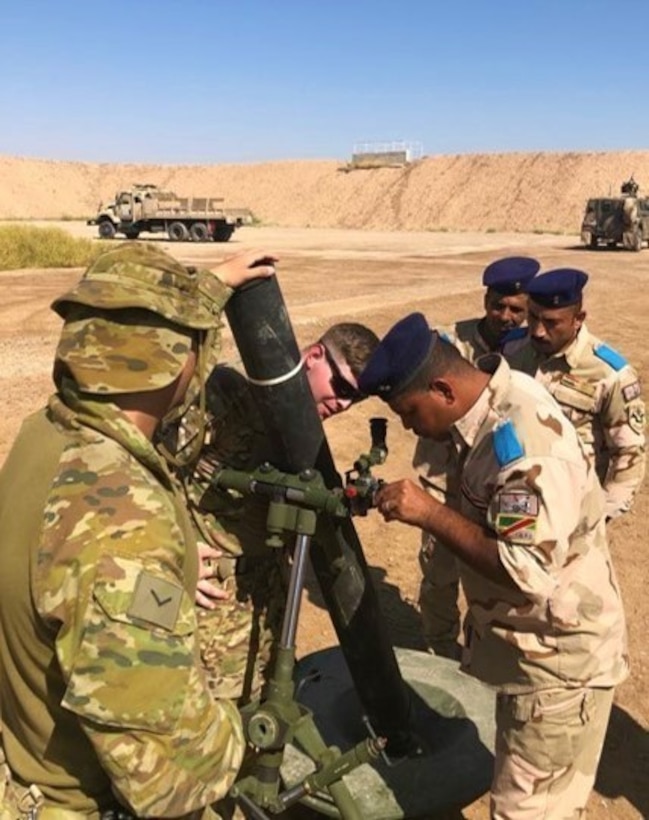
333	275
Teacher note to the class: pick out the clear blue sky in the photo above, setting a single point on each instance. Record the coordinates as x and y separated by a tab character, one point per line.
209	81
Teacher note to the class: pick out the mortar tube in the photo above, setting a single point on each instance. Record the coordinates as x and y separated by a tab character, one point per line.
271	357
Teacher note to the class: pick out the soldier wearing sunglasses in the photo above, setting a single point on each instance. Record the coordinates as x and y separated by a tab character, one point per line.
241	590
333	364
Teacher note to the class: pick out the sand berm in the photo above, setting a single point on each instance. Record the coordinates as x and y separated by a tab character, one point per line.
520	192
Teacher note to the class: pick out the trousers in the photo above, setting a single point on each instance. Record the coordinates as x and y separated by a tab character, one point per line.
548	746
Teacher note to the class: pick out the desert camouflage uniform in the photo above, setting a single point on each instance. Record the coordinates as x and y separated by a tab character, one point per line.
600	393
436	464
468	339
237	637
103	700
556	645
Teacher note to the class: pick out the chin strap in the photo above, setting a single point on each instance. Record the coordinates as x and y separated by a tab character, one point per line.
184	426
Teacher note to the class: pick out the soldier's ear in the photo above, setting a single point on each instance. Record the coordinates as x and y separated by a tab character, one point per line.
313	355
443	390
580	317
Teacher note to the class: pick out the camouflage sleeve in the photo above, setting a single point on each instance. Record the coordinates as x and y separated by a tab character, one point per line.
214	291
237	438
110	577
623	420
533	514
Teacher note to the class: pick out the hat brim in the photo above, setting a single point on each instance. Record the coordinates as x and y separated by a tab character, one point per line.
114	293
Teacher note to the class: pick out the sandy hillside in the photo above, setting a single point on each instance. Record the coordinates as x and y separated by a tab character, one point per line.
479	192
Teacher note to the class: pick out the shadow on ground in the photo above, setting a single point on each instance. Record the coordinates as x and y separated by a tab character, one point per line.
402	618
625	762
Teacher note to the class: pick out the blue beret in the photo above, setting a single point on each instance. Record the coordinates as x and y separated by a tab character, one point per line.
509	275
557	288
398	358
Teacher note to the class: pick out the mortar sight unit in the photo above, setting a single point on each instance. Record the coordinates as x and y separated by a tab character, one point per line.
306	489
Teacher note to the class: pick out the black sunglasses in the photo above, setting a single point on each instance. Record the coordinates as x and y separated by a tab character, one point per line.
343	388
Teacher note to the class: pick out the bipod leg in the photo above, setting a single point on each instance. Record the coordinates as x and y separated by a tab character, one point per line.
272	725
332	765
280	719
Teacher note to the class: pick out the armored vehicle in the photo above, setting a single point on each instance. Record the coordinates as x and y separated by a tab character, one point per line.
617	220
147	208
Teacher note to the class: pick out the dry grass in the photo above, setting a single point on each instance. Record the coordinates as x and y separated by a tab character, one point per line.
25	246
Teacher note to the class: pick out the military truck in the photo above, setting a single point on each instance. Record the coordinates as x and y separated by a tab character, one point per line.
617	220
146	208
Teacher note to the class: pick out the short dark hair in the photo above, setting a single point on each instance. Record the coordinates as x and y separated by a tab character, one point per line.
353	342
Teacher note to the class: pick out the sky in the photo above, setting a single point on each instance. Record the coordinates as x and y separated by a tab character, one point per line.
244	81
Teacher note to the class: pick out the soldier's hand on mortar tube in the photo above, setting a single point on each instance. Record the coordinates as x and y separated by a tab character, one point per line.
240	268
208	594
404	501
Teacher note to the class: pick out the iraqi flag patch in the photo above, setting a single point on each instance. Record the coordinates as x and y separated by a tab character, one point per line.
519	529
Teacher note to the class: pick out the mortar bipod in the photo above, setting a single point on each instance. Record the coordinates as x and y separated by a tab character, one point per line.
279	719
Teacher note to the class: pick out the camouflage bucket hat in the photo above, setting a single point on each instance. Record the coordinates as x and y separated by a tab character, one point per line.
137	275
113	352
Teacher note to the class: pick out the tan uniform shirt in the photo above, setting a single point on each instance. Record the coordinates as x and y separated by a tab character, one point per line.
600	393
468	339
434	461
525	479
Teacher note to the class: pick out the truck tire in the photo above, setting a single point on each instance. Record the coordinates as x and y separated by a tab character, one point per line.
131	233
222	232
177	232
106	229
199	232
637	240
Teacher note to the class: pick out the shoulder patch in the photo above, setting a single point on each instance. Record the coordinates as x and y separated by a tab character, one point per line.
507	445
631	391
156	601
610	356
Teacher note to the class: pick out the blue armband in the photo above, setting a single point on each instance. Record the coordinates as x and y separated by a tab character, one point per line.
507	445
610	356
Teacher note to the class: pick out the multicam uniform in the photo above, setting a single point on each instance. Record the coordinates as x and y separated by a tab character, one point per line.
103	700
237	637
436	465
555	645
600	393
